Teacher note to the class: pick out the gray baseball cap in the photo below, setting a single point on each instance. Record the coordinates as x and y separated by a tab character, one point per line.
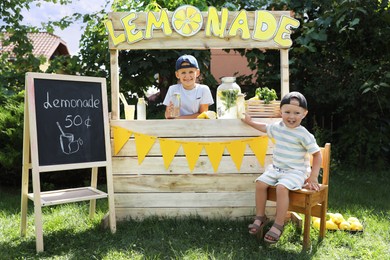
294	95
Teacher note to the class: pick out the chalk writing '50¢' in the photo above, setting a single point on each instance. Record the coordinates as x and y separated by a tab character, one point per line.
71	103
77	121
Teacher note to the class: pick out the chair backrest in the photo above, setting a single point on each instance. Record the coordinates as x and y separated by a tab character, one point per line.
325	166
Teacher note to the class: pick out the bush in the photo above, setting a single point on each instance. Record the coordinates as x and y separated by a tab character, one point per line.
11	137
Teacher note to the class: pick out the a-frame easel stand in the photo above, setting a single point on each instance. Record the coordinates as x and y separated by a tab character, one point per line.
49	198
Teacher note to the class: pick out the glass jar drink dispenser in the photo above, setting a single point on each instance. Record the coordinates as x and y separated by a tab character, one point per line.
227	94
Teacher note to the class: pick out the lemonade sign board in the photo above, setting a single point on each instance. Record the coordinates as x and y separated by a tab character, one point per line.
187	27
66	127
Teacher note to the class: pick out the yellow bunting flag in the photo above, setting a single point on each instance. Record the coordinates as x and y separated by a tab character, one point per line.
168	150
192	151
143	143
215	151
236	150
121	136
259	146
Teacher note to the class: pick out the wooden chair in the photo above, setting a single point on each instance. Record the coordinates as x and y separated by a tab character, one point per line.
311	203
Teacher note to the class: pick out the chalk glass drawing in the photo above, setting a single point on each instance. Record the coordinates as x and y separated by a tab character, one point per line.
68	144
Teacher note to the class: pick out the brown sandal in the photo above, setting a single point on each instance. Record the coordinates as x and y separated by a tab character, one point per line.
264	220
271	237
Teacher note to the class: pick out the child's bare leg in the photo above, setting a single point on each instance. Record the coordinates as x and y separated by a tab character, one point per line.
282	201
261	200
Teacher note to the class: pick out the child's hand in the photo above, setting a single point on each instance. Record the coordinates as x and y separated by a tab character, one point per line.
169	110
312	184
247	119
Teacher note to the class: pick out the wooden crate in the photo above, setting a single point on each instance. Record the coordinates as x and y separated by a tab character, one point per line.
257	109
149	189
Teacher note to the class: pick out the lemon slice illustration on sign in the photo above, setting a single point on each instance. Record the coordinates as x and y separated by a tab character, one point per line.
187	20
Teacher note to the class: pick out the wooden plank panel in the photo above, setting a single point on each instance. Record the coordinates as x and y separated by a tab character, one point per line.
179	165
129	148
186	200
198	41
188	128
185	183
214	213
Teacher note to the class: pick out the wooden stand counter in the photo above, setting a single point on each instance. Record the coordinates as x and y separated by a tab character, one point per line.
148	188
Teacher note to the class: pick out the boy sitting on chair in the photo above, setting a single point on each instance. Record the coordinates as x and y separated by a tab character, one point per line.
290	168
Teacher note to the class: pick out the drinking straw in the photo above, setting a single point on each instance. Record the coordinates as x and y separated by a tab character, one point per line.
62	132
122	97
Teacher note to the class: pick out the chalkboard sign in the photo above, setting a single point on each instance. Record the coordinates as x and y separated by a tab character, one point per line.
69	118
66	127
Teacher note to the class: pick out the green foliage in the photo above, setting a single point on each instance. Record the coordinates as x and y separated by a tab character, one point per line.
266	94
13	67
11	138
341	60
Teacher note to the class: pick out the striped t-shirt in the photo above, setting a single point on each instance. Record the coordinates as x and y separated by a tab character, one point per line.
292	146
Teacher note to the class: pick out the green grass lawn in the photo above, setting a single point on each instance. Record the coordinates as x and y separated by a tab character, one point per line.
70	234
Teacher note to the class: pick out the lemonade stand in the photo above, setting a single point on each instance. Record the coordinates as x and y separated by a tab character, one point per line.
191	167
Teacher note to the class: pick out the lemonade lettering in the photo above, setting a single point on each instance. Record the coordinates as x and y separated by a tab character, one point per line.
70	103
187	21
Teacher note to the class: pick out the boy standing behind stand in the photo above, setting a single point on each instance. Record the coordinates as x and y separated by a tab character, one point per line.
290	168
195	98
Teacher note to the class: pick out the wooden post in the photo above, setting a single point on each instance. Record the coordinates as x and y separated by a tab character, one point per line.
284	73
111	201
92	203
25	170
114	66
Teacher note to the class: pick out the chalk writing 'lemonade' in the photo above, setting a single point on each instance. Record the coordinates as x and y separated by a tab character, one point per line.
70	103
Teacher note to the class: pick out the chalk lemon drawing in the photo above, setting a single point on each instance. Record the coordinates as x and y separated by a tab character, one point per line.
187	20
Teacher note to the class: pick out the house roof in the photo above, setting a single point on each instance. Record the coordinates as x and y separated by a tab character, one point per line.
44	44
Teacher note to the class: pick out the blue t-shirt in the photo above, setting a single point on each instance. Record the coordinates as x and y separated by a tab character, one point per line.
190	99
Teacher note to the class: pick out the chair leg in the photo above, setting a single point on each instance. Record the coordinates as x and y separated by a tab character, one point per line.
324	208
306	228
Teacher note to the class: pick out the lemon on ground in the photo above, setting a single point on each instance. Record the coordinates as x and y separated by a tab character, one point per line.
254	98
353	219
337	218
317	223
356	226
330	225
345	225
329	215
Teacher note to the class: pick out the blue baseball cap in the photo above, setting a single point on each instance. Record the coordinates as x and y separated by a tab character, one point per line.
191	60
294	95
